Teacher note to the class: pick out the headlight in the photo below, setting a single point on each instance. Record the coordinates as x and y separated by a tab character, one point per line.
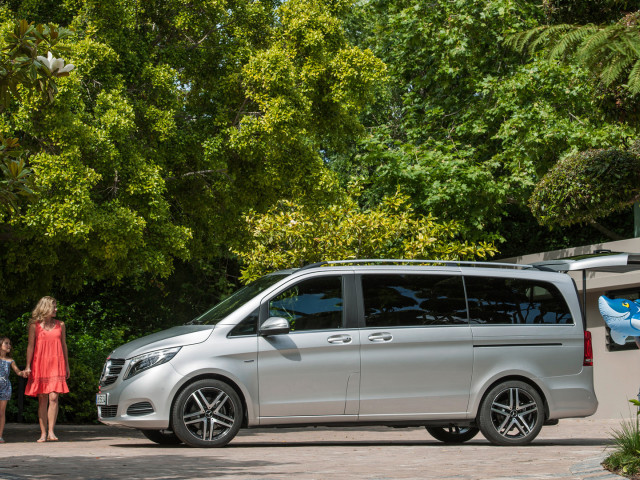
145	361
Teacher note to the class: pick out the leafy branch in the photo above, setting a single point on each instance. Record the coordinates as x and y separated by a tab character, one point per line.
21	67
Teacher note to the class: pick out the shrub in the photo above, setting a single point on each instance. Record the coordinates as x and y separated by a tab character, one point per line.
585	186
625	459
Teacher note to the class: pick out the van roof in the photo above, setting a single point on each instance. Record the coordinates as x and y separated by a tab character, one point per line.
415	262
600	261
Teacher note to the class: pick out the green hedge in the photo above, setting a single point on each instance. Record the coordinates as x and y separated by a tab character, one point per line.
587	185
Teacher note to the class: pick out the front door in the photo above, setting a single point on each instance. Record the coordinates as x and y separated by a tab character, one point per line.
314	370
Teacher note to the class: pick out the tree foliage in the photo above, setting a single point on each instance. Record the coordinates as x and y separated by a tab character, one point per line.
178	118
580	12
23	67
293	234
612	52
466	128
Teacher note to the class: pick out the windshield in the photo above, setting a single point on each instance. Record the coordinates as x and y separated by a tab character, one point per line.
235	300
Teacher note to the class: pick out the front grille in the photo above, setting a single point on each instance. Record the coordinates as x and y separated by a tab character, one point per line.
111	370
108	411
140	408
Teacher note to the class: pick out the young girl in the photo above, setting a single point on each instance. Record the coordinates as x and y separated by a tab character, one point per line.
5	385
47	364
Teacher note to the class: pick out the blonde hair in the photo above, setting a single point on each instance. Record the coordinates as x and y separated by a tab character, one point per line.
45	307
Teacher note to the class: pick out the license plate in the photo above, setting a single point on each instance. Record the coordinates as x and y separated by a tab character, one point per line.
101	398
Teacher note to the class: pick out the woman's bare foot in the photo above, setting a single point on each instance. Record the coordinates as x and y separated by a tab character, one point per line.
42	439
52	438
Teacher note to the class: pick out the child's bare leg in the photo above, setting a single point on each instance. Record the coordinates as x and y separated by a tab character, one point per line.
52	414
3	409
43	401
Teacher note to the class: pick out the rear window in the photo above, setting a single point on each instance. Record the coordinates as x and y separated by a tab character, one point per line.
514	301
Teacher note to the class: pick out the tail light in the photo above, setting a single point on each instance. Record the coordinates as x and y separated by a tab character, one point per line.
588	350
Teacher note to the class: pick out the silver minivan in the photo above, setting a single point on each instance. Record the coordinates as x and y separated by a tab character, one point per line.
456	347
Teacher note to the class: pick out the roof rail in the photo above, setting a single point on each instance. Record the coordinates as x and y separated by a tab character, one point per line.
381	261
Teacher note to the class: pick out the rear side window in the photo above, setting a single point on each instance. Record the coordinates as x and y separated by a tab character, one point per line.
511	301
413	300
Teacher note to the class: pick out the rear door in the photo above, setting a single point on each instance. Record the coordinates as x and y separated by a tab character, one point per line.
416	348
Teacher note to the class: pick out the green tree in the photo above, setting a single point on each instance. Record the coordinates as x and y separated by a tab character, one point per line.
607	44
178	118
293	234
467	128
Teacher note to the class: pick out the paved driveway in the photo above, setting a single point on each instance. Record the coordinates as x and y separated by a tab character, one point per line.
571	450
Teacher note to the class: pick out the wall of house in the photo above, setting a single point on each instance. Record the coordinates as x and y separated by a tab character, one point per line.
616	373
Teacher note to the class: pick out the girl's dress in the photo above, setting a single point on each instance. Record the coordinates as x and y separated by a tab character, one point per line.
48	367
5	384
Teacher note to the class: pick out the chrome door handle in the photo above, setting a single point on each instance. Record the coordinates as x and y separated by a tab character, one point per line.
380	337
339	339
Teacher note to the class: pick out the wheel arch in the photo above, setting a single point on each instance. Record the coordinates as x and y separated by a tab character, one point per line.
489	386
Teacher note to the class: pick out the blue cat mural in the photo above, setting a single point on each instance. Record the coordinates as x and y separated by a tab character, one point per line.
622	316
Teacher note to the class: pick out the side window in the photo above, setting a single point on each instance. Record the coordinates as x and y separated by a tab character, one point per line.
314	304
511	301
413	300
248	326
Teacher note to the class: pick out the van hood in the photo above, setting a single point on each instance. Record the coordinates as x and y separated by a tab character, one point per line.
173	337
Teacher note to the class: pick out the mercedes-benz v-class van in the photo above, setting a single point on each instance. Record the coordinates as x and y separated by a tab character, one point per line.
452	346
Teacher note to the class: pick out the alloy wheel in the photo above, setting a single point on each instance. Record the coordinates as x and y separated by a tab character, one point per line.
208	414
514	413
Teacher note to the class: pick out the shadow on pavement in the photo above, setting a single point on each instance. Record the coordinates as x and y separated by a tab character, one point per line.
587	442
127	438
29	433
153	467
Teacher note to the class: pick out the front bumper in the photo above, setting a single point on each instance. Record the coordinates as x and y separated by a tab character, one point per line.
142	402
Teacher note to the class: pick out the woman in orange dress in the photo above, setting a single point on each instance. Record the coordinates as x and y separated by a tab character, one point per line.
47	364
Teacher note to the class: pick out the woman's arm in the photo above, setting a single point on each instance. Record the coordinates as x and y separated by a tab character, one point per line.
63	340
30	346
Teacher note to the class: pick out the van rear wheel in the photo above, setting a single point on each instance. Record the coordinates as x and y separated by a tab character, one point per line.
511	413
162	437
453	433
208	413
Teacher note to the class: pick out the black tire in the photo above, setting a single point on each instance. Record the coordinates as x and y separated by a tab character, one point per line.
207	413
453	433
162	437
511	413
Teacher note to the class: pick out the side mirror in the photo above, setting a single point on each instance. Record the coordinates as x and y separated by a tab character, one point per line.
275	326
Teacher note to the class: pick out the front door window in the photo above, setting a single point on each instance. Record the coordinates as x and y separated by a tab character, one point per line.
314	304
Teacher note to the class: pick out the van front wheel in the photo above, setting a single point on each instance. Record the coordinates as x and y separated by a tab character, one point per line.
207	413
512	413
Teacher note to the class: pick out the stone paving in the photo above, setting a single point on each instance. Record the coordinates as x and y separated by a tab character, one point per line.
571	450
